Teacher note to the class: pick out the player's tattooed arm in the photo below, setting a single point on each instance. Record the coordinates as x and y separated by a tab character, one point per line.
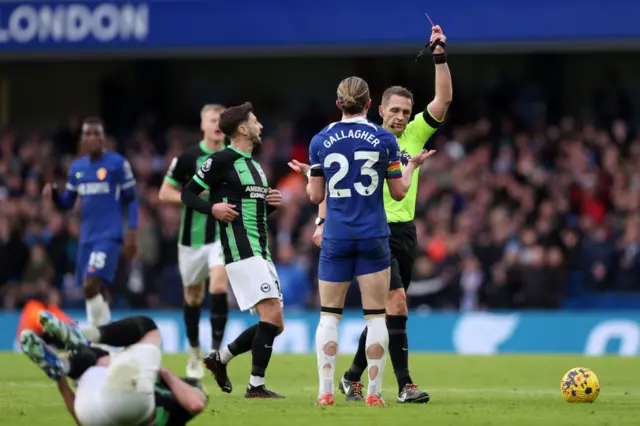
68	397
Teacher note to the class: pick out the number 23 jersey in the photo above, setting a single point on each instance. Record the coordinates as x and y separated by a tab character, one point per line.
355	156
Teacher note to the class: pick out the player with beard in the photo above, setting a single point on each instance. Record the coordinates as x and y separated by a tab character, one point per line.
395	110
241	200
199	248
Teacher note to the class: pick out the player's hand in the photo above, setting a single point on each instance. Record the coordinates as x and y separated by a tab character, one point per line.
274	198
130	244
436	33
421	157
317	235
224	212
299	167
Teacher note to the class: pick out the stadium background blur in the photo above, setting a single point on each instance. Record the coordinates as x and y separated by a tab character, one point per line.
532	201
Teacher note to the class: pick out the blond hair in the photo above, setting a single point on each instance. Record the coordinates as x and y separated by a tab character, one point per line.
353	94
396	90
212	107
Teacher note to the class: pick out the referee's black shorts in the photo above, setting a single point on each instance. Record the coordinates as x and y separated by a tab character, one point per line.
403	243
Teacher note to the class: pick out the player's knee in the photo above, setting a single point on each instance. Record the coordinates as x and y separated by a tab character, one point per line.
194	295
92	286
218	280
270	311
397	303
153	338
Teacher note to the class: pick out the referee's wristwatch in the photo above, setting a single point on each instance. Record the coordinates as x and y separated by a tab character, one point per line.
319	221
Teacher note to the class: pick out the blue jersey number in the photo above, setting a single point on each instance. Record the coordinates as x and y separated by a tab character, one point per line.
371	158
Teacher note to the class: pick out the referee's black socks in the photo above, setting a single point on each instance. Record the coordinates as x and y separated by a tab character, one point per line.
218	317
398	351
399	348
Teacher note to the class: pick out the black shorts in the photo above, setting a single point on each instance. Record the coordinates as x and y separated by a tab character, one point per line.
403	243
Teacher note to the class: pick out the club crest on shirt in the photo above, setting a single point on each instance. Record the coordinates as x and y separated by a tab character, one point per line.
101	173
404	158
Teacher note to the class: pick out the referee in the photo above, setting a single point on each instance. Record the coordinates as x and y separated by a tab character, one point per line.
395	110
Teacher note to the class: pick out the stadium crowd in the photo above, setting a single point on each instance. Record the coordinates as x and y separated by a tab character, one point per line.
504	217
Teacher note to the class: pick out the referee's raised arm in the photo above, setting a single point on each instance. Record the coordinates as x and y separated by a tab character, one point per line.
438	107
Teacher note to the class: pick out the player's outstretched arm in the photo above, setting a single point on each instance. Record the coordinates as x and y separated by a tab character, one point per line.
68	397
439	106
315	185
193	400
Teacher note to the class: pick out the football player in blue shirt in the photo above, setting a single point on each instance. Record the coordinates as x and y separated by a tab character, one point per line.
351	159
106	185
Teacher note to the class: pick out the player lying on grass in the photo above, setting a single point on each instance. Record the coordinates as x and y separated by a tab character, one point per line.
127	388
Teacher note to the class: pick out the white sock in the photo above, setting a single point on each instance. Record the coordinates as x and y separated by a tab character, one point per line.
256	381
226	355
98	312
92	333
326	333
377	333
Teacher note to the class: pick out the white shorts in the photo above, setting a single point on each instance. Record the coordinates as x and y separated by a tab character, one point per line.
253	280
121	394
195	263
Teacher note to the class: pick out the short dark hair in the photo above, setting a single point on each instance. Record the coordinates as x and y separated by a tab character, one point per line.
232	118
96	121
396	90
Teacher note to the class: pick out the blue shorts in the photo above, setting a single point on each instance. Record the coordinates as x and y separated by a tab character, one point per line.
98	259
341	260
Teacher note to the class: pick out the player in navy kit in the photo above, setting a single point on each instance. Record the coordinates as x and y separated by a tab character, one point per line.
351	159
106	185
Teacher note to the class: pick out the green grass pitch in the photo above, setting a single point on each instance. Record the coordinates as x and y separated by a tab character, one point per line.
465	390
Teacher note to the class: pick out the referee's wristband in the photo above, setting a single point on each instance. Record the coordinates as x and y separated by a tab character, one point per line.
439	58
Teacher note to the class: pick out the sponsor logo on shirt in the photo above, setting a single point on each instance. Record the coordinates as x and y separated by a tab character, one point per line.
93	188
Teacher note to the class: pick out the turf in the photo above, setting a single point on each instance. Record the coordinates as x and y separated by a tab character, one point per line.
490	390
